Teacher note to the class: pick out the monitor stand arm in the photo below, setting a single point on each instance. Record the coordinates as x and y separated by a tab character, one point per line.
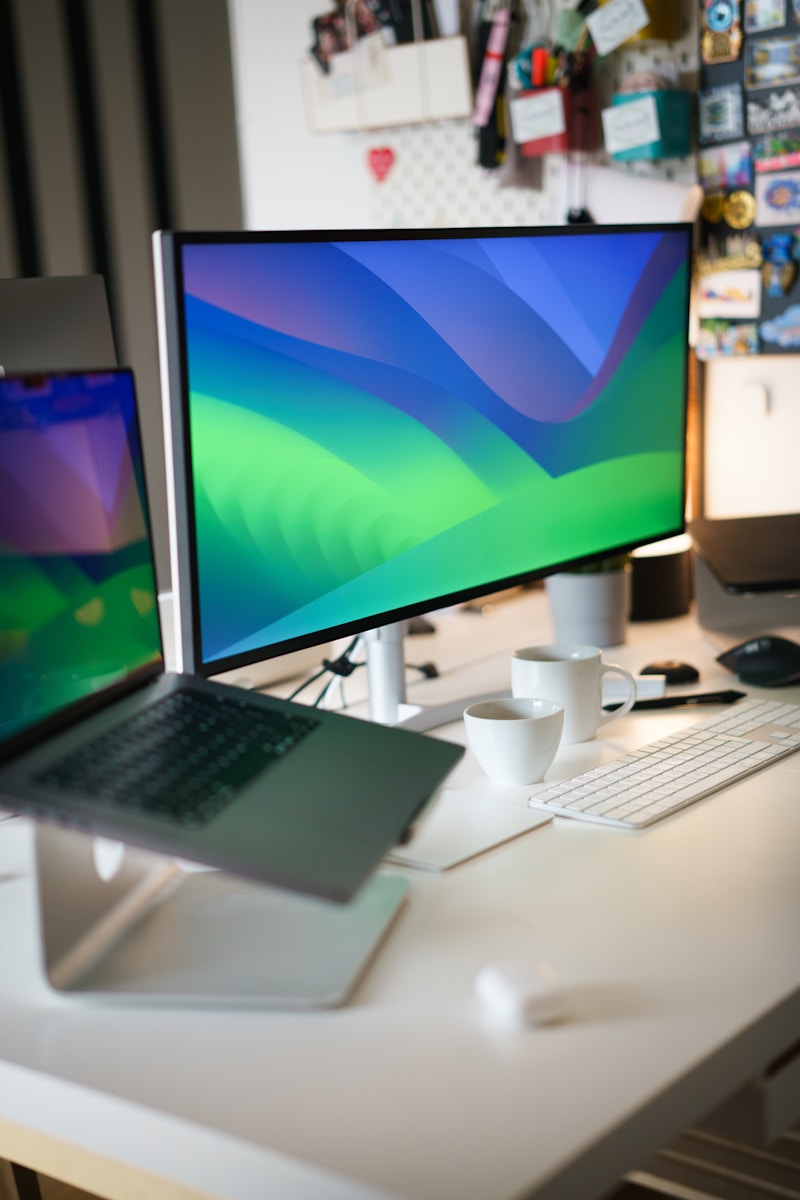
386	675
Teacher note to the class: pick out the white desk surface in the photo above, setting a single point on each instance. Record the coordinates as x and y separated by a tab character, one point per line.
678	946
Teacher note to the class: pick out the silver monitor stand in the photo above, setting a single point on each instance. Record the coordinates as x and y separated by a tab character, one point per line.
123	924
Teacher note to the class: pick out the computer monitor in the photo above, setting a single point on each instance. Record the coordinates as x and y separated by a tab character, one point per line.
367	426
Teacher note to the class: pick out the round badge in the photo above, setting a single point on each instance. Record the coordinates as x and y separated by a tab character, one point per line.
720	15
783	195
739	209
712	207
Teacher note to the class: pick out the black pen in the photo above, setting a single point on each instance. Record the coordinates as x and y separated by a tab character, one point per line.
726	697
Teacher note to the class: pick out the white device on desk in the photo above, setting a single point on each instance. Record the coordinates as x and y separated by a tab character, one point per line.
521	992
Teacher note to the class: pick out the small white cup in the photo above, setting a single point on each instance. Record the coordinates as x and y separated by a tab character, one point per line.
571	675
514	740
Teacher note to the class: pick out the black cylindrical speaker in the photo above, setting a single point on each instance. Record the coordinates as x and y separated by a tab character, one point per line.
661	584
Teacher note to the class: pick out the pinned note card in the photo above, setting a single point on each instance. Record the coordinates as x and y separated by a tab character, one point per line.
537	115
626	126
613	23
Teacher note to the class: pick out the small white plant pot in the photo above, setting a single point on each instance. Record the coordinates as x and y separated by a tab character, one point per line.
590	608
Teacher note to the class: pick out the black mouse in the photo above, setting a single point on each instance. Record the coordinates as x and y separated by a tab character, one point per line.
675	672
766	661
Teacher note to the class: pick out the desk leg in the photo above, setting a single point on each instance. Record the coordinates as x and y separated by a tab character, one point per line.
18	1183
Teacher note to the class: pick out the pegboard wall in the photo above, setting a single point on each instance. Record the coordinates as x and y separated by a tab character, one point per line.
435	181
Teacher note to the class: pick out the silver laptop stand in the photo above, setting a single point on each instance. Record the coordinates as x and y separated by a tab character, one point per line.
151	932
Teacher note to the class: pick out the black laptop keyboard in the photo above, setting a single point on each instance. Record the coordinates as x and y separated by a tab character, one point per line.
184	758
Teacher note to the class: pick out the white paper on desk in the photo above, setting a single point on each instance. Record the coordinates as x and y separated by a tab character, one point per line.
616	689
462	825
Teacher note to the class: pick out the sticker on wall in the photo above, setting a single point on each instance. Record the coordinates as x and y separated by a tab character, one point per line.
721	34
729	252
739	209
381	160
724	339
776	151
778	110
779	271
772	61
722	168
720	114
711	207
729	294
783	330
761	15
778	198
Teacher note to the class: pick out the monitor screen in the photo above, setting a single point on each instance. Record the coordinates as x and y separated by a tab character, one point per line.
367	426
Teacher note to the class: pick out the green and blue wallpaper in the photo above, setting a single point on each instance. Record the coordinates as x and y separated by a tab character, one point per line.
378	423
78	607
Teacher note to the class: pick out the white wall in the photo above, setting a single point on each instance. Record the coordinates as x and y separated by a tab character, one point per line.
290	180
752	436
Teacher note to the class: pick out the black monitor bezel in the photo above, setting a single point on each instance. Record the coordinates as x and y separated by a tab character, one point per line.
168	247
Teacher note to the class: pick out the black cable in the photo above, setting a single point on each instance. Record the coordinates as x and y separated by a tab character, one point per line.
306	683
328	685
429	670
339	666
343	666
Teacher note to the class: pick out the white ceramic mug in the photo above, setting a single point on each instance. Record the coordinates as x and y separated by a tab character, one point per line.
571	675
514	740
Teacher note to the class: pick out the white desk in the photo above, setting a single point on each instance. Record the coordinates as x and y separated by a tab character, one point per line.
679	946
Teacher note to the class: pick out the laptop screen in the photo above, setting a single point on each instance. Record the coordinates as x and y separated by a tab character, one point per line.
78	602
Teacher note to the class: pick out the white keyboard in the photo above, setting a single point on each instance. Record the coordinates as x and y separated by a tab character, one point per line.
655	781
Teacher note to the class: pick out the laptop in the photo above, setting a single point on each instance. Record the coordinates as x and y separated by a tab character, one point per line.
83	686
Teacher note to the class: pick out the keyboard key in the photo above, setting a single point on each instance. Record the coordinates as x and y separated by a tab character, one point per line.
182	759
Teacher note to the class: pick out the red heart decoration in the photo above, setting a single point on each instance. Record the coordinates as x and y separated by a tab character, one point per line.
380	160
